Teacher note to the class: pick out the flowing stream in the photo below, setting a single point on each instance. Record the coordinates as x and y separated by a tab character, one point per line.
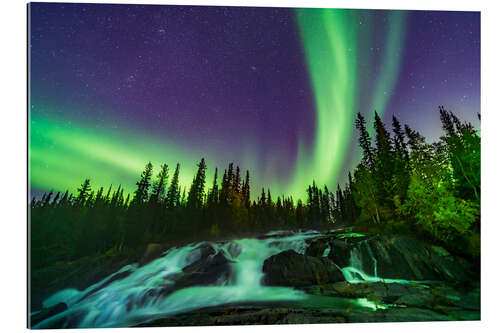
136	294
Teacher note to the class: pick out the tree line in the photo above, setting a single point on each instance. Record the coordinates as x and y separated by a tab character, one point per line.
405	185
66	226
402	185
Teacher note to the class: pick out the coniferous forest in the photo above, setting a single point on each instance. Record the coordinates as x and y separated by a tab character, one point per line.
403	185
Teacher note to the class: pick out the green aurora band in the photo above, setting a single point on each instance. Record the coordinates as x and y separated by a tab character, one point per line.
62	153
333	45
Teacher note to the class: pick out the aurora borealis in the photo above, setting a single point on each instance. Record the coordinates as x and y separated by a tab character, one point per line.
274	90
331	44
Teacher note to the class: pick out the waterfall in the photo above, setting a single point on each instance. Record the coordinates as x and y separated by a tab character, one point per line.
354	273
137	294
369	250
143	295
355	259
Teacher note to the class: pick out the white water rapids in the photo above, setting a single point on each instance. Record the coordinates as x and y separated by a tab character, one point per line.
137	297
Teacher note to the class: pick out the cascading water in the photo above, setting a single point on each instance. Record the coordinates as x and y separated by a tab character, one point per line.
136	294
355	273
372	257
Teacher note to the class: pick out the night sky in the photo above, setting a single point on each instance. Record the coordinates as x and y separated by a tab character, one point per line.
274	90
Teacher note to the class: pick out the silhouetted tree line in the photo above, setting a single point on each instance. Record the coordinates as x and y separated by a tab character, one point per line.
402	184
65	227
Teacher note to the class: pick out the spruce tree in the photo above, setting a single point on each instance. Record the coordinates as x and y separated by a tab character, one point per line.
224	193
158	193
106	199
382	140
197	190
213	195
365	142
142	192
262	200
83	193
447	122
401	176
99	196
399	139
384	165
230	177
56	199
269	200
237	180
246	190
415	140
173	193
340	204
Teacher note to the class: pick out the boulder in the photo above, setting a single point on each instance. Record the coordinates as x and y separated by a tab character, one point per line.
210	270
289	268
234	249
340	252
317	247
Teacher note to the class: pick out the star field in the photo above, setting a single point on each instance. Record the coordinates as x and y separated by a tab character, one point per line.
175	83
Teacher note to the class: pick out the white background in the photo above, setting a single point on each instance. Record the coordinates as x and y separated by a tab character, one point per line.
13	132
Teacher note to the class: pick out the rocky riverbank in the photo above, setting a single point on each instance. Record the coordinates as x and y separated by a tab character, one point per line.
280	278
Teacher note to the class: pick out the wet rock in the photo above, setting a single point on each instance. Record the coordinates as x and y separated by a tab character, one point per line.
396	315
416	300
116	277
387	293
340	252
338	289
289	268
210	270
234	249
78	275
206	250
446	295
249	315
402	257
317	248
47	313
